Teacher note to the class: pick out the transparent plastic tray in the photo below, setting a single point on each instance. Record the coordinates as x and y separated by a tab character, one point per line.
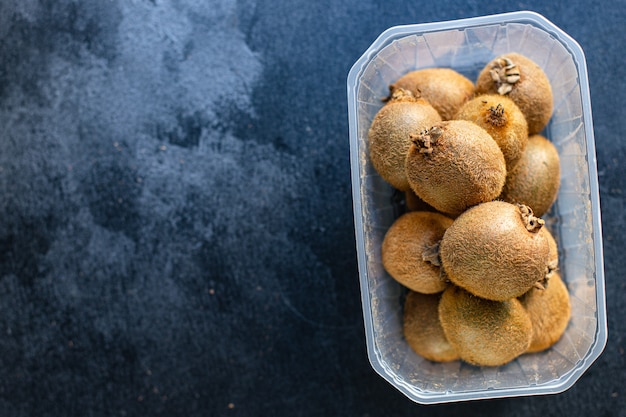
467	45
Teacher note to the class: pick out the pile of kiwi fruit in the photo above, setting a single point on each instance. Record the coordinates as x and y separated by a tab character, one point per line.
478	262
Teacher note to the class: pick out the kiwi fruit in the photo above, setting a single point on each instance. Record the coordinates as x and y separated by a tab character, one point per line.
422	329
444	88
389	134
502	119
536	178
494	250
410	250
553	257
549	310
454	165
484	332
524	82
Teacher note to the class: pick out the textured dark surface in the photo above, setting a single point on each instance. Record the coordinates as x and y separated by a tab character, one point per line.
176	233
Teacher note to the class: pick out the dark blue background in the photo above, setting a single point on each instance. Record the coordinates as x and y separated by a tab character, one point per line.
176	230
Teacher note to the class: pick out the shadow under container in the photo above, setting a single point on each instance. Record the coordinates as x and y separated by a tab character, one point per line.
466	46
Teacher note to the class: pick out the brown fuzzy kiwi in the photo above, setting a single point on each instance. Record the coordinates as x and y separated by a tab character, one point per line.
388	136
536	178
502	119
422	329
484	332
410	251
444	88
495	250
553	256
454	165
549	310
524	82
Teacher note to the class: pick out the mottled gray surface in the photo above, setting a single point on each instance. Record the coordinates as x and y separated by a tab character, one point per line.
176	233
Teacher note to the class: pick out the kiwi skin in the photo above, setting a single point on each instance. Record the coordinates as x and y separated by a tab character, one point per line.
536	178
444	88
490	252
484	332
455	165
549	310
422	329
502	119
389	135
531	92
409	251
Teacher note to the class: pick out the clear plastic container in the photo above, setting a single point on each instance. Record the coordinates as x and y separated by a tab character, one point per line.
467	45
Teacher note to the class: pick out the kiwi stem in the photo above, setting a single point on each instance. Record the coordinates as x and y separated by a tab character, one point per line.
496	116
504	74
552	267
424	140
550	270
400	94
532	222
431	254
